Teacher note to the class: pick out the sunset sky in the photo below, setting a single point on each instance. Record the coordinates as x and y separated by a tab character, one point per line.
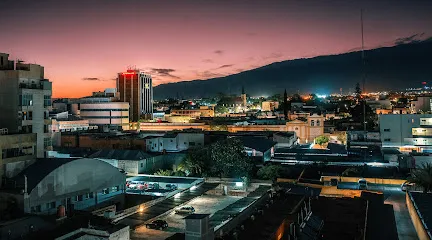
83	43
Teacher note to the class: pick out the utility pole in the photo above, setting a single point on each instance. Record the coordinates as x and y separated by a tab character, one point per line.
364	71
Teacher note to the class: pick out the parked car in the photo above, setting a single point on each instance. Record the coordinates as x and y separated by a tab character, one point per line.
171	187
362	184
158	224
185	210
411	187
153	186
407	186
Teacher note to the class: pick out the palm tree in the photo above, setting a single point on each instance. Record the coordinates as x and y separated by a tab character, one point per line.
422	177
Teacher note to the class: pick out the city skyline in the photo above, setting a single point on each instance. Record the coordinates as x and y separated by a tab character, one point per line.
83	45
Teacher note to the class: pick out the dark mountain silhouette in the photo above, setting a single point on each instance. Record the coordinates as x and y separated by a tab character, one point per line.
388	68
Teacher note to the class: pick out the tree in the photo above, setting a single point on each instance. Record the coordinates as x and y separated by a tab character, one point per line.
196	162
341	136
321	140
162	172
229	159
285	104
220	109
358	90
422	177
270	172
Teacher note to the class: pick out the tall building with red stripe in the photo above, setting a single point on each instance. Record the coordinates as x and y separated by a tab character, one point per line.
135	87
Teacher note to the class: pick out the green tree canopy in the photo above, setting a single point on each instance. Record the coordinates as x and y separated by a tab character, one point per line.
422	177
229	159
270	172
321	140
225	158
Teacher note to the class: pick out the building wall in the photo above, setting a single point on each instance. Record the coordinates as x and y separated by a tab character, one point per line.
26	144
106	113
300	128
193	113
17	83
88	141
274	128
269	105
181	142
189	140
149	165
136	88
422	104
394	128
71	180
167	127
130	166
283	141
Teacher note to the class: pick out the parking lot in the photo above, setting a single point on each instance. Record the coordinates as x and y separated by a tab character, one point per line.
156	185
209	204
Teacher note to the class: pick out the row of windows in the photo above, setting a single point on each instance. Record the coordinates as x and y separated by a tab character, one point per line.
78	198
17	152
107	117
318	123
105	110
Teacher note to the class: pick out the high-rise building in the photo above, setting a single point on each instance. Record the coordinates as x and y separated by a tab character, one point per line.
25	101
136	88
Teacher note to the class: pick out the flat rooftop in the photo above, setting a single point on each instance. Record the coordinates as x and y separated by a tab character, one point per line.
423	204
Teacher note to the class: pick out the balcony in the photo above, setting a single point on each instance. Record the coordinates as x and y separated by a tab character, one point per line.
44	84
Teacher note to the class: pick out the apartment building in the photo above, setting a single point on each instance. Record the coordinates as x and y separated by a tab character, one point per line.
25	101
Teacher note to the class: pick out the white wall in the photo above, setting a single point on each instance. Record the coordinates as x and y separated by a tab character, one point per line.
394	128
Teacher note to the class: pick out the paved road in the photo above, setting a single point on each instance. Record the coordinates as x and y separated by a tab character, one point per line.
166	205
394	196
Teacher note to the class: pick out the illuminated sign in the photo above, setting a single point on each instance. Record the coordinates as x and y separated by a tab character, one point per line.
128	73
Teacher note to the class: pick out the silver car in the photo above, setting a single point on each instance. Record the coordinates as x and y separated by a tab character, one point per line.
185	210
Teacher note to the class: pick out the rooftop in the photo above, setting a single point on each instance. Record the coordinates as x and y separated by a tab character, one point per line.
422	203
258	143
39	170
120	154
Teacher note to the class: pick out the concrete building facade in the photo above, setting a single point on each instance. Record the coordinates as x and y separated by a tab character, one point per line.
17	151
106	114
136	88
307	130
25	101
269	105
406	131
175	142
73	183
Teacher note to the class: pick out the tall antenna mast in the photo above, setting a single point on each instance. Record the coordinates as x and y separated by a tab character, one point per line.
364	71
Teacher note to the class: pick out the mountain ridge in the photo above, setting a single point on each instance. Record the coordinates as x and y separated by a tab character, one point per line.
392	68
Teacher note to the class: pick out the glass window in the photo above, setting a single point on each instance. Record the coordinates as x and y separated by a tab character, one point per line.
47	100
312	123
26	100
105	191
47	142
